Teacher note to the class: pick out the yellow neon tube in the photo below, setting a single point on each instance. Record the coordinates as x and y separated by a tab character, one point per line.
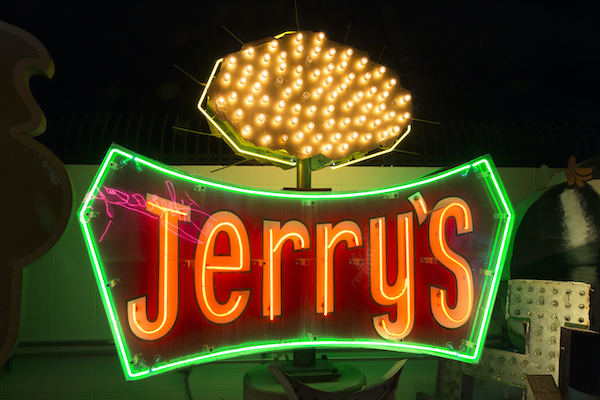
380	153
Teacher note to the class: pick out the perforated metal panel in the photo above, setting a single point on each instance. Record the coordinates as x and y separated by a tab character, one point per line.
545	306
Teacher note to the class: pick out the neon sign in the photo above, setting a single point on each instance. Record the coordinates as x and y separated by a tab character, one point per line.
192	271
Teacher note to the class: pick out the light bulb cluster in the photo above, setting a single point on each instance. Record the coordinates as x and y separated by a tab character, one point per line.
308	95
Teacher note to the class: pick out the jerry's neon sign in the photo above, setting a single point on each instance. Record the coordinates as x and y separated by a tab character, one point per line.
192	271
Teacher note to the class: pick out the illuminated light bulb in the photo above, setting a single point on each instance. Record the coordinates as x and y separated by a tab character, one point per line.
368	106
331	51
288	91
364	60
320	36
312	109
343	64
264	73
265	99
299	49
316	72
232	60
354	135
367	76
377	122
310	126
330	67
299	135
281	103
250	51
337	136
308	150
319	136
333	94
243	80
328	147
359	95
330	122
385	94
294	120
392	82
267	139
347	120
267	57
299	37
282	66
329	80
284	138
273	44
238	112
283	55
277	118
381	70
382	107
299	82
362	119
369	136
392	114
297	107
373	90
319	91
261	118
220	101
351	76
344	146
250	98
247	129
406	115
343	86
350	104
317	49
256	86
299	69
226	76
349	52
330	108
407	97
249	68
396	129
233	96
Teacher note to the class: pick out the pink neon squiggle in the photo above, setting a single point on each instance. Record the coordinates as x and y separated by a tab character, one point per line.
113	197
171	190
105	230
196	204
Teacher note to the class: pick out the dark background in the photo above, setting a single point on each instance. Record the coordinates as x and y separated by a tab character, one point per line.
472	60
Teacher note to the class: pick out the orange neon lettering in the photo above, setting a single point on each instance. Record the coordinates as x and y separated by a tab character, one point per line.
209	263
327	240
400	294
423	205
451	207
168	285
274	237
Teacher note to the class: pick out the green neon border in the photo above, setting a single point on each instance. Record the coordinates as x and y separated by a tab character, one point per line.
482	164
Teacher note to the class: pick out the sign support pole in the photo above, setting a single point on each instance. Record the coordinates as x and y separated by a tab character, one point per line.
303	174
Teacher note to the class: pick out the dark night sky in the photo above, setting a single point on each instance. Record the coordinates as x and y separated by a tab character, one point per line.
475	60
